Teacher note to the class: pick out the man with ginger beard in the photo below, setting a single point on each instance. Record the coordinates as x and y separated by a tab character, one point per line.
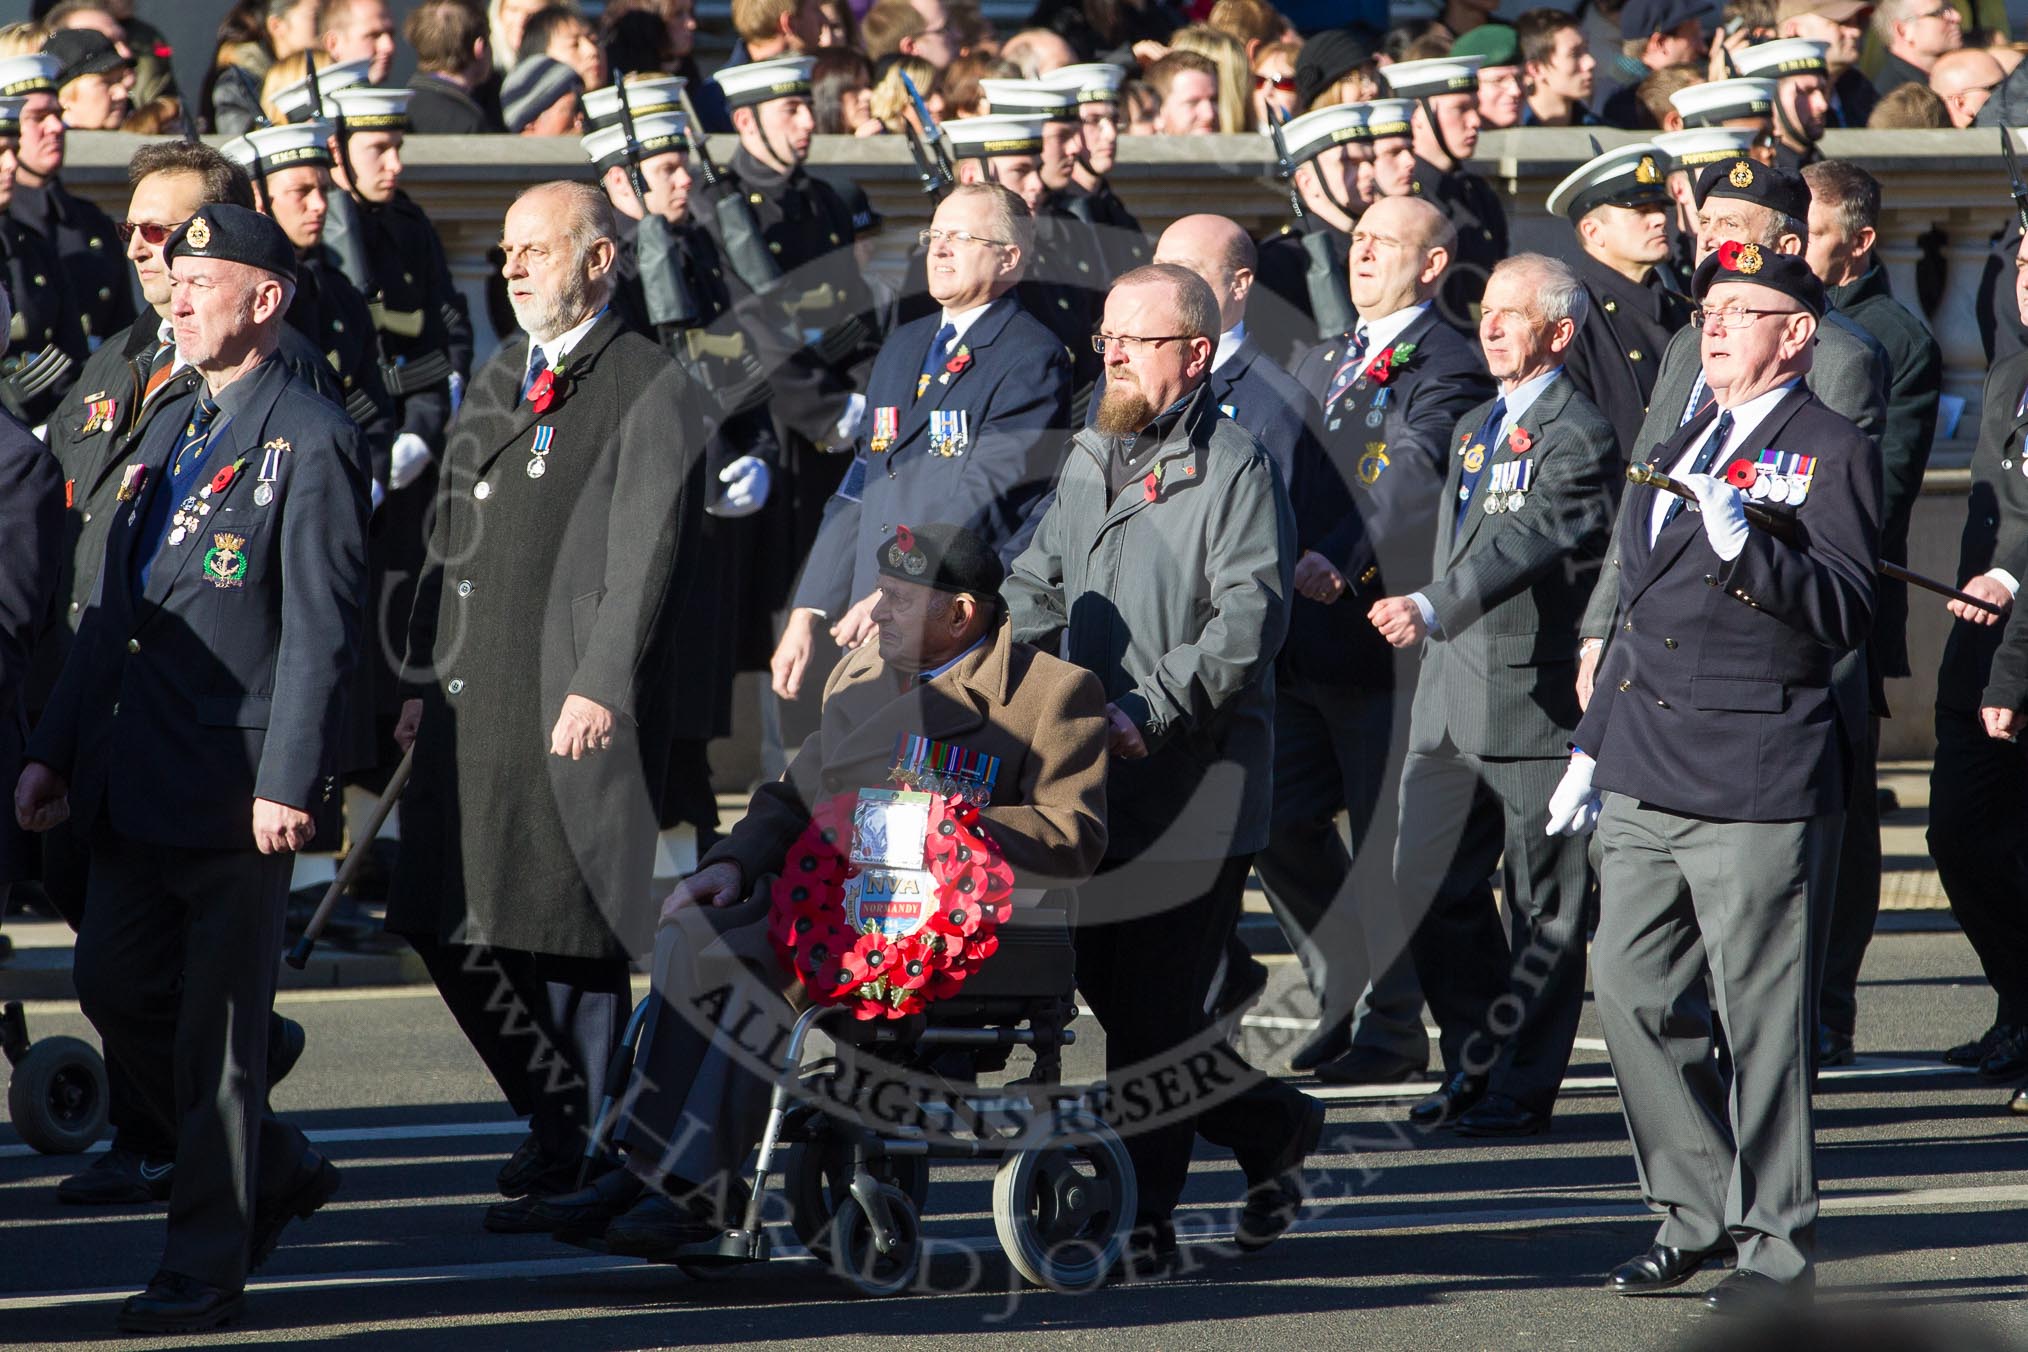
1163	566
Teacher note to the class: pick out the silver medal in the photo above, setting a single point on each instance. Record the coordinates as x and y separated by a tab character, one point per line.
482	490
264	494
1777	487
1375	417
1514	500
176	536
1798	490
536	469
1493	504
1757	490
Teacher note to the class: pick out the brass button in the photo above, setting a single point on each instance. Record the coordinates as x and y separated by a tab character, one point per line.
1661	704
133	645
754	198
1626	685
1611	307
73	607
1628	626
1668	643
1635	354
87	516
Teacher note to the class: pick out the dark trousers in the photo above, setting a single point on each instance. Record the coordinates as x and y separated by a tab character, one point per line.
1855	902
546	1027
1340	748
175	967
1978	798
1506	999
1149	936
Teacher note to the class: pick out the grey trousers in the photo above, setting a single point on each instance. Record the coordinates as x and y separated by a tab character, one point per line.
1683	899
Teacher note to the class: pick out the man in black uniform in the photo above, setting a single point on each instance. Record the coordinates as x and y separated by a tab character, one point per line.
1446	123
1068	248
1736	104
45	341
1619	203
80	235
1802	102
132	379
1844	214
216	653
1096	87
1302	265
673	287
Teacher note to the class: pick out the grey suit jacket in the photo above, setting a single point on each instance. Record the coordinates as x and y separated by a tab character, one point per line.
1849	376
1510	586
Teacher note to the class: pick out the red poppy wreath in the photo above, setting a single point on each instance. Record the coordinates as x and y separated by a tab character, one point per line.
879	973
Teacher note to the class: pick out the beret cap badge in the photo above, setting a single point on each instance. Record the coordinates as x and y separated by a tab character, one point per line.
1748	262
198	236
1741	175
1646	172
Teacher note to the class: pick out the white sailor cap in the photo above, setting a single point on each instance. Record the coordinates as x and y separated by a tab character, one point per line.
982	138
1707	105
1314	133
1625	176
265	149
21	76
1388	117
654	133
1088	82
1691	150
656	94
370	108
10	115
762	81
293	101
1783	56
1439	75
1029	98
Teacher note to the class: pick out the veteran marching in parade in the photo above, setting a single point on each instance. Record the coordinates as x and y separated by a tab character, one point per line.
1381	667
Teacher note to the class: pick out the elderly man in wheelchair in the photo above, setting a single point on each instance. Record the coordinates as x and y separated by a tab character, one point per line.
948	728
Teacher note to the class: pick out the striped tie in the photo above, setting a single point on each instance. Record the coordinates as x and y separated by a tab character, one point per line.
159	367
1348	370
1713	444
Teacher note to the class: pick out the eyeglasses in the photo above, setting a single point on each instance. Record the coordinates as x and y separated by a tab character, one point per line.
154	232
1944	12
926	238
1286	84
1101	341
1732	317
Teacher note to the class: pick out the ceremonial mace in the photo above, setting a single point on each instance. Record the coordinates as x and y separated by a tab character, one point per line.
1783	527
299	956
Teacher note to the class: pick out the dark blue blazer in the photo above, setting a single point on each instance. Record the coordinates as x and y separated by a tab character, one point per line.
224	679
1015	396
1714	698
1375	515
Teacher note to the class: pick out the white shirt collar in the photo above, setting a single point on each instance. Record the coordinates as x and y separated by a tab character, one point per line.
1746	421
1228	344
924	677
166	333
963	320
559	347
1525	394
1383	331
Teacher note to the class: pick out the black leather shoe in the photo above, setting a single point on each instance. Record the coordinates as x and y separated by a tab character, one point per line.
2009	1057
657	1229
1363	1065
315	1183
1752	1293
1498	1115
1662	1268
1245	979
531	1169
1150	1254
285	1048
1459	1095
1979	1048
587	1212
1275	1199
1330	1042
118	1178
174	1303
1834	1049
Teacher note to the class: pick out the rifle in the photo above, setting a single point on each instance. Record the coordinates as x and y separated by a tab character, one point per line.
1783	528
1329	286
745	253
664	291
2014	176
946	173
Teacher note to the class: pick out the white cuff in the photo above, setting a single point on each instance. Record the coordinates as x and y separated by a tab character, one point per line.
1428	613
2005	579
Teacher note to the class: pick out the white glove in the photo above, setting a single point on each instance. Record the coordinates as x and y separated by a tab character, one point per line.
746	487
457	392
847	428
409	457
377	493
1573	808
1724	511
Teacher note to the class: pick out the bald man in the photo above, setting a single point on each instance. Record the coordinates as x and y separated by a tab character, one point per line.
1038	51
1964	80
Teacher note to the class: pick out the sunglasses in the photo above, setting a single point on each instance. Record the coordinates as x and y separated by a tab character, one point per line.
1286	86
154	232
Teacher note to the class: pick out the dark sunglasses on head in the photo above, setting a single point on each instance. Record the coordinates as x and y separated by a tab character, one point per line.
154	232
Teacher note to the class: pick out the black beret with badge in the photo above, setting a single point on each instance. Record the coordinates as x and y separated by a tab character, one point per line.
234	235
1751	181
1734	261
946	557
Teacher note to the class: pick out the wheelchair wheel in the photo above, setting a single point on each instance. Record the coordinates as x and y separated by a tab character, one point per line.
1063	1211
856	1257
816	1182
57	1098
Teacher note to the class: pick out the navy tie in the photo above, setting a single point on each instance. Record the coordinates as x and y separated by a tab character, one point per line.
1348	370
1713	444
933	360
538	362
1489	432
183	470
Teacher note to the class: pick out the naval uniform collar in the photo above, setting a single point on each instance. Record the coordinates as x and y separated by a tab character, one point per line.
747	167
